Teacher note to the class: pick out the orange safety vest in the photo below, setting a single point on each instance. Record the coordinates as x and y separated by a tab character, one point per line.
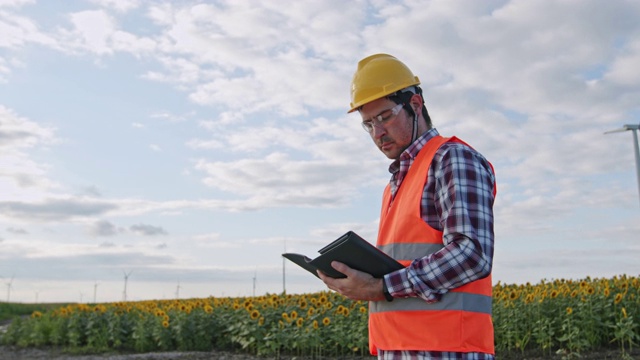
461	320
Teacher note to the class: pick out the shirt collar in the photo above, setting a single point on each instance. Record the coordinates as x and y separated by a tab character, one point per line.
412	150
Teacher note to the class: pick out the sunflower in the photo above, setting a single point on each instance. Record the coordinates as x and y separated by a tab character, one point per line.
255	314
328	305
302	304
618	298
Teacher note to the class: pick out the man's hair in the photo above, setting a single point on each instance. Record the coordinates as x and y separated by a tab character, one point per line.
404	96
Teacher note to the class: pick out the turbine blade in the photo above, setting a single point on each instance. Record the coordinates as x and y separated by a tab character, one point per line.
616	131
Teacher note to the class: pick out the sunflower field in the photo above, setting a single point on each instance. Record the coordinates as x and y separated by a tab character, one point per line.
569	316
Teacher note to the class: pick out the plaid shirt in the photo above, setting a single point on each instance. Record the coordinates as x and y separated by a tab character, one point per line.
457	200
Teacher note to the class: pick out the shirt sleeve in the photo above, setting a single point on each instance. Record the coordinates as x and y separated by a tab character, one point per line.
457	200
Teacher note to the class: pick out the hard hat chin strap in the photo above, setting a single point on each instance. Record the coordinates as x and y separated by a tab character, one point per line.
402	94
414	132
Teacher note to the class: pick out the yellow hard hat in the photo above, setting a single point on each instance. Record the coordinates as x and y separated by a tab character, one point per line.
377	76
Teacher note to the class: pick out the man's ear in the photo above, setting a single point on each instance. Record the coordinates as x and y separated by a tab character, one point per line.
416	102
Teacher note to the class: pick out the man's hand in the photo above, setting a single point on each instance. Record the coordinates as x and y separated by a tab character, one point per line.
356	286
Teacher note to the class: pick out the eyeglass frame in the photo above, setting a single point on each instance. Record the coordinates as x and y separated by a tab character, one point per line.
369	124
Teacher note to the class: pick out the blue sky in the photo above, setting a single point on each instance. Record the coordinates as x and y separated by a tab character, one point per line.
189	144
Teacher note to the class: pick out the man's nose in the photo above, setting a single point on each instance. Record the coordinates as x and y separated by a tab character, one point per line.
378	130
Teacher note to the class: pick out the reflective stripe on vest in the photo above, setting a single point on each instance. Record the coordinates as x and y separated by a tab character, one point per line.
461	320
410	250
450	301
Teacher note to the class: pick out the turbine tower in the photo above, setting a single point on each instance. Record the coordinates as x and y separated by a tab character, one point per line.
634	130
126	279
178	290
95	290
255	275
9	285
284	286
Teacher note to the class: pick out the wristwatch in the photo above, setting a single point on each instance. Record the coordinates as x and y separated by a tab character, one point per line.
385	291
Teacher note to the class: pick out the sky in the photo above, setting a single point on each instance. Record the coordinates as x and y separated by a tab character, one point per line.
160	150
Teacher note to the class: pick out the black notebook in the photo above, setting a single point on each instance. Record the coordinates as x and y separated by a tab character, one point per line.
351	250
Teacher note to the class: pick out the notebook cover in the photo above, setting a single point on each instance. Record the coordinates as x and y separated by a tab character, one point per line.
351	250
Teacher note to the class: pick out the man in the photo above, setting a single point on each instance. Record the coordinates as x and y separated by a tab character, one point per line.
436	219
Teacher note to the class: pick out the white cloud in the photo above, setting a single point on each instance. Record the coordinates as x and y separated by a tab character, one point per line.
118	5
17	31
204	144
232	53
215	240
15	3
103	228
330	177
623	70
98	32
172	118
147	230
17	231
54	209
277	181
21	176
92	30
19	132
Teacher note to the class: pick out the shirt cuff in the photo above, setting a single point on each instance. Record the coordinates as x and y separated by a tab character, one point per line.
400	285
396	283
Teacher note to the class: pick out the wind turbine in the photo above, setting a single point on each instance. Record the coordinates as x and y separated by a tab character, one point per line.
178	290
126	279
9	285
255	275
95	289
634	129
284	281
